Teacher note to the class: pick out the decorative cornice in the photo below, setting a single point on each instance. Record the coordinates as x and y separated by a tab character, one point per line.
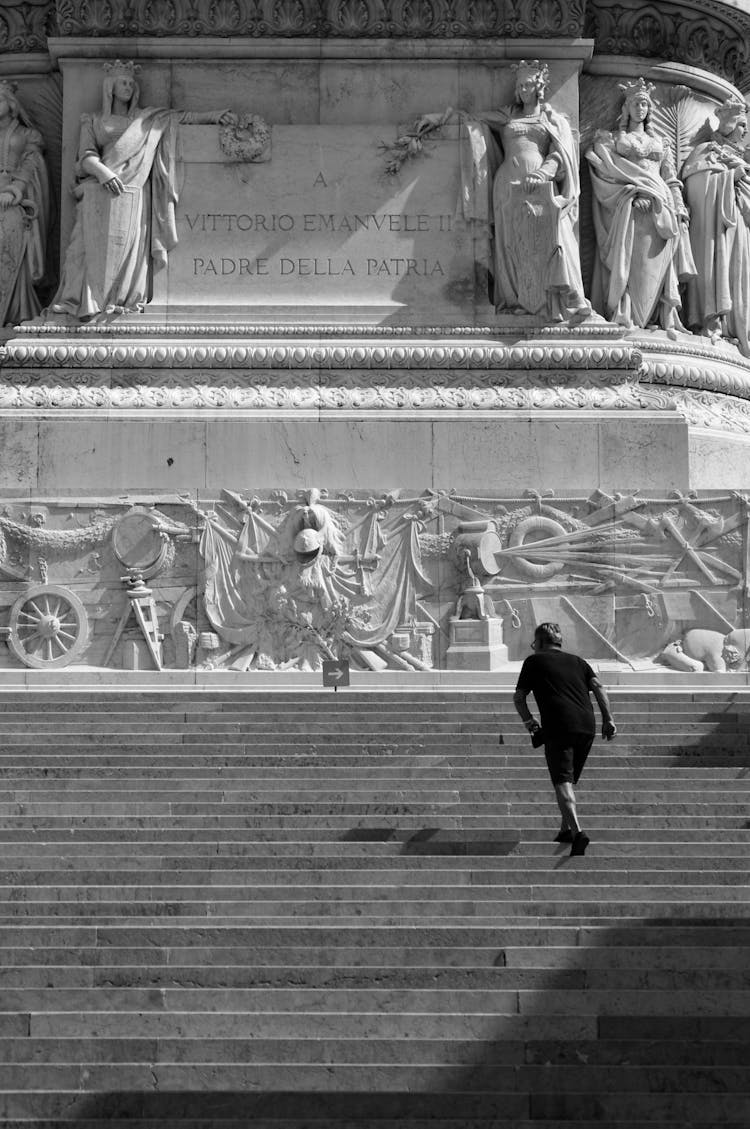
713	369
707	410
25	25
380	19
317	356
707	34
195	390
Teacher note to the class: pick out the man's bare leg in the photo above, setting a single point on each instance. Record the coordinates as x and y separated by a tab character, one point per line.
566	801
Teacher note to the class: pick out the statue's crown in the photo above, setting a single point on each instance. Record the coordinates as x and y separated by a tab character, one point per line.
122	66
730	108
633	89
526	68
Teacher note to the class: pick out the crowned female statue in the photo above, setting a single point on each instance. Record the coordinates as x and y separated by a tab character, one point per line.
127	192
24	210
525	180
640	219
717	185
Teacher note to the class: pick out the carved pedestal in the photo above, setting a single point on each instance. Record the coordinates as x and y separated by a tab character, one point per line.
476	644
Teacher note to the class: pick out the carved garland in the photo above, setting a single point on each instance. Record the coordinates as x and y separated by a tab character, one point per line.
248	140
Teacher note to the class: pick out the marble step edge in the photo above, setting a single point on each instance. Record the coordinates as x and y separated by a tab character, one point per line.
176	978
685	932
325	1080
353	1051
534	870
494	1120
455	1109
538	927
457	800
612	912
539	850
464	838
386	821
536	957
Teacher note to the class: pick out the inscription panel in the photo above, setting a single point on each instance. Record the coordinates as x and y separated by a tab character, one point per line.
320	232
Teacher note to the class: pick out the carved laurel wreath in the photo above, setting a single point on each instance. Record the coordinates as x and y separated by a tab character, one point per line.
248	140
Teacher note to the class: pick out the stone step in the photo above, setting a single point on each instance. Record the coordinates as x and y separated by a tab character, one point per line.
112	1121
374	1078
654	958
363	724
340	739
333	890
403	816
527	763
549	1014
518	805
643	1052
482	852
401	838
607	908
302	910
82	778
218	1116
372	937
243	976
454	1109
534	870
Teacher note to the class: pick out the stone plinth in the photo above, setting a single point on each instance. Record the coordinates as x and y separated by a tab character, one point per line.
476	644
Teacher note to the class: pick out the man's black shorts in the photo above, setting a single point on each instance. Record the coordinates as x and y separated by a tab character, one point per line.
565	759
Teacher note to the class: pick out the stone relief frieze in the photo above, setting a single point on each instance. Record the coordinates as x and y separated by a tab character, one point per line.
705	34
399	581
25	25
326	18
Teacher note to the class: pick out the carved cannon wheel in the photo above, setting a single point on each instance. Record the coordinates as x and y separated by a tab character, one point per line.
48	627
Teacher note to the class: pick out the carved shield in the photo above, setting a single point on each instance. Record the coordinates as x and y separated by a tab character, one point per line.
535	218
110	227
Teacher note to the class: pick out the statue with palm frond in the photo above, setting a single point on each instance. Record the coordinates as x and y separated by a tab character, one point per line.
640	219
717	185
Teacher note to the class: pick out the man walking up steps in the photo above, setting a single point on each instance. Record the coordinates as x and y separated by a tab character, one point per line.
562	685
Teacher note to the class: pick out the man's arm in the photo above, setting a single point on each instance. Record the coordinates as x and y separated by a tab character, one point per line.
608	726
519	701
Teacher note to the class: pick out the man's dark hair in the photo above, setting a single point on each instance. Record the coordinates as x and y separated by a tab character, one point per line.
549	633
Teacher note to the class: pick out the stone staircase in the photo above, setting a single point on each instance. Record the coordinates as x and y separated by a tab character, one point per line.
300	909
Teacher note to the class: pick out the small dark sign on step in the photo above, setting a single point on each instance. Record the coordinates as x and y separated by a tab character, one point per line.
335	673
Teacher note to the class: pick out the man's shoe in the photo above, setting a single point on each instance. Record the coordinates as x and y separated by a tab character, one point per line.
580	843
564	835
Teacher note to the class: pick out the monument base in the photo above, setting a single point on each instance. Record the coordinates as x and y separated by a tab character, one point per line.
476	644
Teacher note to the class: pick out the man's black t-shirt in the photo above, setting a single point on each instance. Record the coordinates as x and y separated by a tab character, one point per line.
560	684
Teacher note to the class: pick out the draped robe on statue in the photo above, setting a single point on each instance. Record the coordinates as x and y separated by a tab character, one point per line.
530	236
118	242
23	226
720	237
642	255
